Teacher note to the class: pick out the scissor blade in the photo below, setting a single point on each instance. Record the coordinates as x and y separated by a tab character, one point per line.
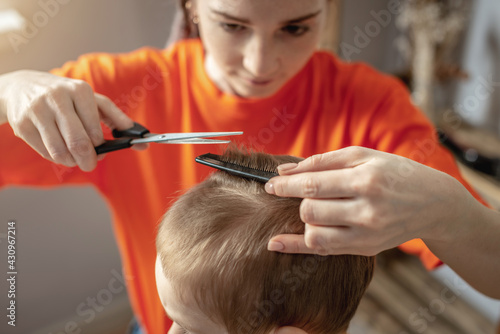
166	137
196	141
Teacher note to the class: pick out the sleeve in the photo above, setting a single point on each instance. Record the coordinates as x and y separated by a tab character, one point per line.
400	128
397	126
22	166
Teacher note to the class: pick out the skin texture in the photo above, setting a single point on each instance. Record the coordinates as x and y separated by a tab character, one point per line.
358	201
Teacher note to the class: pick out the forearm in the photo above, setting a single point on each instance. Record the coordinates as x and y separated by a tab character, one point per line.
473	250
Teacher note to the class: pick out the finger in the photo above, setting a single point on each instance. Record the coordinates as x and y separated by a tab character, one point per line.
55	144
76	138
114	118
313	241
344	158
86	109
336	240
289	243
328	212
111	115
323	184
32	137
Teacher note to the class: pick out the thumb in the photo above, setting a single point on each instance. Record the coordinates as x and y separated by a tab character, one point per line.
289	243
111	115
115	118
344	158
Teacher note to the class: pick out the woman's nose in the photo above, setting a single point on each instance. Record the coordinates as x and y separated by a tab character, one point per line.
260	58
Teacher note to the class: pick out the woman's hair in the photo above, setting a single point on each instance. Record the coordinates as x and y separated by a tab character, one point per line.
212	244
187	28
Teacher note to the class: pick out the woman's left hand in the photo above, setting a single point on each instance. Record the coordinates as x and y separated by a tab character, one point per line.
362	201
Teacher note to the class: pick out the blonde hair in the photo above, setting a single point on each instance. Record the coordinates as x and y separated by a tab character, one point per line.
212	244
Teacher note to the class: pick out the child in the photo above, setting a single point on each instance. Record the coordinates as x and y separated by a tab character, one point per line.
215	275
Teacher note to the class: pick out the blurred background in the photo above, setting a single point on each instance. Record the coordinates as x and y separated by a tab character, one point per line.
69	270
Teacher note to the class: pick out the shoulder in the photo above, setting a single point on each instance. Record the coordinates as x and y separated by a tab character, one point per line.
122	67
357	79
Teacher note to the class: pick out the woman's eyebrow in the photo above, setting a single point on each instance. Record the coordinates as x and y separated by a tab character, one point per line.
302	18
230	17
247	21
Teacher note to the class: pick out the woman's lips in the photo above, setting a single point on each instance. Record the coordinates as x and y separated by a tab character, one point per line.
258	82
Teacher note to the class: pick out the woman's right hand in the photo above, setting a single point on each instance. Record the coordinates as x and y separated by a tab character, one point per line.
58	117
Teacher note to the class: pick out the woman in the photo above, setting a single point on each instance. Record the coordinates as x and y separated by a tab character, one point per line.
255	68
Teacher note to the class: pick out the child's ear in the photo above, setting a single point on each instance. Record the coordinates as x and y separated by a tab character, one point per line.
289	330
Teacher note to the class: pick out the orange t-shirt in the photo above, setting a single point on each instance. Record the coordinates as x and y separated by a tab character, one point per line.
326	106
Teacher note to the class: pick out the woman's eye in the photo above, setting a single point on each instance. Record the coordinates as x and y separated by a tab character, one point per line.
295	30
231	27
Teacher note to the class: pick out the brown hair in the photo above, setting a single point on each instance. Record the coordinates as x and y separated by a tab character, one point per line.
212	244
187	29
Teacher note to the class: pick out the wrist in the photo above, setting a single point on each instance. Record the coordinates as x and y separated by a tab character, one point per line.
456	214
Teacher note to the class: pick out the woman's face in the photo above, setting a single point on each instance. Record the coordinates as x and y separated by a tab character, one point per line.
253	47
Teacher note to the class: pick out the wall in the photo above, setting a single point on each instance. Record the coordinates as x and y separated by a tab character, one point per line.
477	100
67	255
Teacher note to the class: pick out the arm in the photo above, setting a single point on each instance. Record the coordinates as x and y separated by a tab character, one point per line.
471	247
362	201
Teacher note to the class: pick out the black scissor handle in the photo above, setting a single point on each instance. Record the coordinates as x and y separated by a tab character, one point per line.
124	140
114	145
137	131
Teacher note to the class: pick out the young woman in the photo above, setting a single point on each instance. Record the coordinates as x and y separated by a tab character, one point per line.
255	68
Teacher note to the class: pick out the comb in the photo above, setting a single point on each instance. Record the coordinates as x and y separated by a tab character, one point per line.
218	162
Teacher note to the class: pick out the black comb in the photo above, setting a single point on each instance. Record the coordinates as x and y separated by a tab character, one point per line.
217	161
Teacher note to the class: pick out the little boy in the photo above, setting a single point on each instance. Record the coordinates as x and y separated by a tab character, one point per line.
215	275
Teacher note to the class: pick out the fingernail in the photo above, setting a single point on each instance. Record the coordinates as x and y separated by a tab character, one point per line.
275	246
100	157
287	167
269	188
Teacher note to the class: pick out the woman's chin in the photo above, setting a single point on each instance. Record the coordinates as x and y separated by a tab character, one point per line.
253	91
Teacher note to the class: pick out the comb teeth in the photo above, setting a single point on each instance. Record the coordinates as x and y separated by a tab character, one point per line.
218	162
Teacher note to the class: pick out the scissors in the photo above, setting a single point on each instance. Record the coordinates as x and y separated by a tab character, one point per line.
138	134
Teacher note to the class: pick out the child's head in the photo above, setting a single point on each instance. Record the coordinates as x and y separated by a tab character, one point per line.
215	274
